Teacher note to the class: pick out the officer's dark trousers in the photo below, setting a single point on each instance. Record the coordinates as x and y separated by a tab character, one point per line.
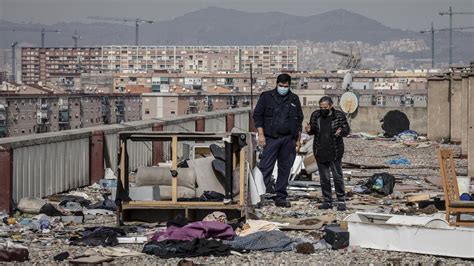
325	169
282	149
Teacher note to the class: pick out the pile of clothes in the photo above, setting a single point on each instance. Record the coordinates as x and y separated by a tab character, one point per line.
217	237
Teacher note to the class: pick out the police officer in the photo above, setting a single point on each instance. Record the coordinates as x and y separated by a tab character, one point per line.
278	118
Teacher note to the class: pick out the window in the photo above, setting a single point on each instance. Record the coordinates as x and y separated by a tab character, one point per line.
147	111
172	112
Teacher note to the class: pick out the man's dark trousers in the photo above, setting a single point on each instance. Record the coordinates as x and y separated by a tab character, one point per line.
325	169
283	150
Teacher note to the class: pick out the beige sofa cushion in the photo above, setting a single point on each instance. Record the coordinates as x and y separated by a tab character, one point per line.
161	176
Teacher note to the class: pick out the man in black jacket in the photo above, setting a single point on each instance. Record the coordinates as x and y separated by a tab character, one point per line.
278	118
329	126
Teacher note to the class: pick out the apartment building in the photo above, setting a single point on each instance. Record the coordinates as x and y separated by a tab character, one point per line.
22	114
40	64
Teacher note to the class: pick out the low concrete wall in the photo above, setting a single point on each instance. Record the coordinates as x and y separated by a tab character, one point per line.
367	118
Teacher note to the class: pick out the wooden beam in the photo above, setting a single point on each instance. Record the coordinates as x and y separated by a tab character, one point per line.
122	163
242	178
174	165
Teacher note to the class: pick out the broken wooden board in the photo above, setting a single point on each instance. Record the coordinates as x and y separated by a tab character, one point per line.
90	260
419	197
364	166
408	188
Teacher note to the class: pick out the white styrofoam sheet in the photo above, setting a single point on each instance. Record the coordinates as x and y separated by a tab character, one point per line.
424	235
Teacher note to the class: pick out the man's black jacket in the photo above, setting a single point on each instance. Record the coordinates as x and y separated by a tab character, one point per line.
338	121
267	111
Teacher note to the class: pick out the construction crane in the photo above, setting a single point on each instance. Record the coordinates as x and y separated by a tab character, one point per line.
433	30
43	32
76	37
451	13
13	76
137	22
350	60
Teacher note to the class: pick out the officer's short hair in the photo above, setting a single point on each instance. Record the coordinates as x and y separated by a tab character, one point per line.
284	78
326	99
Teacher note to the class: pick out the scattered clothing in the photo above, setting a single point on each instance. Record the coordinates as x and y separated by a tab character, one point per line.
98	212
216	216
98	236
61	256
272	241
73	206
322	245
194	230
71	198
399	161
207	196
13	252
212	196
106	204
50	210
186	248
179	221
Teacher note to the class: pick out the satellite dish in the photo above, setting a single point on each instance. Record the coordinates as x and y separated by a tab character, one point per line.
349	102
347	81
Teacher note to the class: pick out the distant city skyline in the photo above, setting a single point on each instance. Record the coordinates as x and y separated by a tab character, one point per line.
402	14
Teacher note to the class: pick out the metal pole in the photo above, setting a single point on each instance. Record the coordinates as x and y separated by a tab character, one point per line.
42	37
136	32
251	88
432	45
450	36
75	39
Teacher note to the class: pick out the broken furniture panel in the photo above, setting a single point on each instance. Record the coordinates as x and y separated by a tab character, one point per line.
164	210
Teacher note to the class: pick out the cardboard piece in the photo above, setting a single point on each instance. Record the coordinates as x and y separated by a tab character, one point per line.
417	234
435	180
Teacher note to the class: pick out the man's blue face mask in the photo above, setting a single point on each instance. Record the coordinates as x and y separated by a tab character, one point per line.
283	90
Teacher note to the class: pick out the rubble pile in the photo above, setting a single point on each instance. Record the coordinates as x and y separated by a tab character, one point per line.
381	177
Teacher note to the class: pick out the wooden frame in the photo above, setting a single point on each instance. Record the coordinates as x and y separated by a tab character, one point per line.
173	204
451	190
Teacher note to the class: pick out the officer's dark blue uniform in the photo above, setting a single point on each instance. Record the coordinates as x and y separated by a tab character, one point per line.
281	118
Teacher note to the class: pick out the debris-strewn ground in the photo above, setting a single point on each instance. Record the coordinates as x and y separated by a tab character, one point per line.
43	247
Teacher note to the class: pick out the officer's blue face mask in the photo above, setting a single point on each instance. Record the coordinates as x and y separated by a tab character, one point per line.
283	90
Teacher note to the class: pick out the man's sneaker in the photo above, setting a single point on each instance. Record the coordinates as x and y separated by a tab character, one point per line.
341	206
283	203
325	206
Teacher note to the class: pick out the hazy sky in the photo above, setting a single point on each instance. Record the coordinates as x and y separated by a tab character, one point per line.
404	14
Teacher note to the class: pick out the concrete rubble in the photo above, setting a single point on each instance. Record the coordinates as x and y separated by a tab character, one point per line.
415	193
